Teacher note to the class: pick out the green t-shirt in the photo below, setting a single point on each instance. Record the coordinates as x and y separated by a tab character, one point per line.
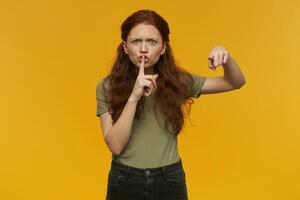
150	145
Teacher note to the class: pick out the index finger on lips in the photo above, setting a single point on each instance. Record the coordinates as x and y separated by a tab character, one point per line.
141	71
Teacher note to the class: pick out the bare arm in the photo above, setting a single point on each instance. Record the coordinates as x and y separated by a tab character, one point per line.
233	77
233	73
116	136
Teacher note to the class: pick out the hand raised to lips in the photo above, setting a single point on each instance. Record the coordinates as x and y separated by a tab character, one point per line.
148	88
141	57
144	84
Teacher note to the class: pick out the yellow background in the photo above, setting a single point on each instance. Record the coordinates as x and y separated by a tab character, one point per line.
242	144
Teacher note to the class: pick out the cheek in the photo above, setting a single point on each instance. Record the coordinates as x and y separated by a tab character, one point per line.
132	54
156	56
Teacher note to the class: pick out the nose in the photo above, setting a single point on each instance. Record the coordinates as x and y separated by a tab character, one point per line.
143	48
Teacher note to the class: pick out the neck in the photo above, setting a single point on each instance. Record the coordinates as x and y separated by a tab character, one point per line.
149	70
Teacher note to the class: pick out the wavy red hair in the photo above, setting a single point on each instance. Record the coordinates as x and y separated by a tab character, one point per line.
173	83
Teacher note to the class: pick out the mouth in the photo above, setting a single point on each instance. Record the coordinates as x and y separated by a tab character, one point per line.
146	59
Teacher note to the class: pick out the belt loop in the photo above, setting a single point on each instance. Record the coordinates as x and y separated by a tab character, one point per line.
163	172
147	172
128	170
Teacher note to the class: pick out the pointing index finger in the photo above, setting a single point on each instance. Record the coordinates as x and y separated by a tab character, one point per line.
142	65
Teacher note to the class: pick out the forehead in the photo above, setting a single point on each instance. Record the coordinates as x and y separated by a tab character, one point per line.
144	31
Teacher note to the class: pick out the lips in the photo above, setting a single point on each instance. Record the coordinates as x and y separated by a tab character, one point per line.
146	58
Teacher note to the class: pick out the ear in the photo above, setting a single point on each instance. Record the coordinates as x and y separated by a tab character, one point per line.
163	50
124	47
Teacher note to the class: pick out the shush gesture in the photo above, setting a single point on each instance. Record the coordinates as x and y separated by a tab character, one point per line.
144	84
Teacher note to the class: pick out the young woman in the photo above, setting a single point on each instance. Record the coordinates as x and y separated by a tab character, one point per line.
140	105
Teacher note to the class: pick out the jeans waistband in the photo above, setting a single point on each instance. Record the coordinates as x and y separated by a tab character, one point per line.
146	171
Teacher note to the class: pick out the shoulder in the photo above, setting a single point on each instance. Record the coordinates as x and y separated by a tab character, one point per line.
185	77
194	82
190	78
103	84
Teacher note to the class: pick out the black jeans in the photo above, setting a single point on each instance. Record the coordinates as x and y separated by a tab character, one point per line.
161	183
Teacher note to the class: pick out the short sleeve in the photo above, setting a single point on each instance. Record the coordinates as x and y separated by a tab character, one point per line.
197	86
102	104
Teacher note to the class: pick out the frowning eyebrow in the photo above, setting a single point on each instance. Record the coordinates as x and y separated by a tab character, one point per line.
134	38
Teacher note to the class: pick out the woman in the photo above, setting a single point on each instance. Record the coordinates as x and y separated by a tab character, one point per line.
140	105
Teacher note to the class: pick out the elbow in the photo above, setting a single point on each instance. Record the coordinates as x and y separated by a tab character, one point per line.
241	84
114	146
115	149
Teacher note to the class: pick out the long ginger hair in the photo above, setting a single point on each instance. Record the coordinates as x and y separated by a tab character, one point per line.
173	82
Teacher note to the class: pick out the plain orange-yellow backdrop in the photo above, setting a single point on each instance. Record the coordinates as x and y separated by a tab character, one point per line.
242	144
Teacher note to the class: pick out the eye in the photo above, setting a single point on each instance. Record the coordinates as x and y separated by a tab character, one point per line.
152	42
135	41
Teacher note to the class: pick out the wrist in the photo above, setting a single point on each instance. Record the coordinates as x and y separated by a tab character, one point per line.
132	99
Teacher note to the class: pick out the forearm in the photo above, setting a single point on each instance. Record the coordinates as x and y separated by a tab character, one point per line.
118	136
233	73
